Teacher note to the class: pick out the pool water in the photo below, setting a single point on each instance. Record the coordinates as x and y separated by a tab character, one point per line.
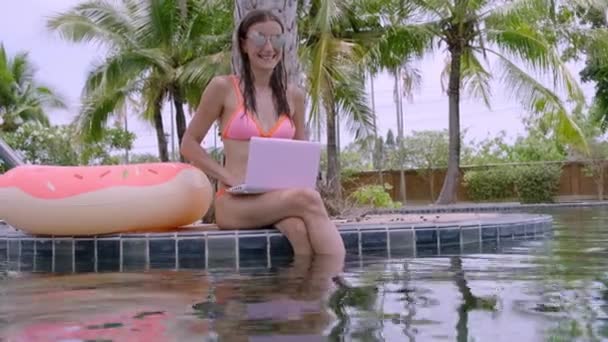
551	289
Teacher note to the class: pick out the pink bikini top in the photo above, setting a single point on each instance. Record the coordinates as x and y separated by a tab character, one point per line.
243	126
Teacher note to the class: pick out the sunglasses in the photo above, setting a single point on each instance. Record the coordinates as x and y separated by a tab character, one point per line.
259	40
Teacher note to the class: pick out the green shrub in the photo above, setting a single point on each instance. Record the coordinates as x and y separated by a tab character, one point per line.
529	183
490	184
374	195
2	167
537	183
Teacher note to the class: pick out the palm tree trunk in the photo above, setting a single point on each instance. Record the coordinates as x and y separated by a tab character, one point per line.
163	153
601	181
432	184
399	110
378	166
318	130
287	11
338	144
333	163
180	118
450	183
126	127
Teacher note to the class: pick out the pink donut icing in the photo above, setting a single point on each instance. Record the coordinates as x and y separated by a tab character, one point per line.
54	182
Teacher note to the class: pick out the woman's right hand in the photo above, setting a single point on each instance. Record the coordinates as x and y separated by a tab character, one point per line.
229	180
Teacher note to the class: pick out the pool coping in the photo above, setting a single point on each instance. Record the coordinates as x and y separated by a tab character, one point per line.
343	225
485	207
254	248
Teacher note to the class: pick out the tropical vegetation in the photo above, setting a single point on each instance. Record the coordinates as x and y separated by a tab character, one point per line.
157	52
162	53
62	145
23	98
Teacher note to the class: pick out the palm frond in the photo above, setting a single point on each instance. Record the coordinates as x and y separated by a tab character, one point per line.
152	96
34	113
196	74
597	45
22	69
211	18
47	97
540	100
319	52
437	9
599	113
351	100
411	79
317	76
157	22
402	42
529	9
156	58
475	78
115	72
26	112
104	22
7	80
521	41
96	110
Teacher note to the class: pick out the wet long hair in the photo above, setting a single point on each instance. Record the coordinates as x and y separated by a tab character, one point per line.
278	79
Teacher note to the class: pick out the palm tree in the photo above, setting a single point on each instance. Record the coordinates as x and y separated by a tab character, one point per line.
398	45
406	79
158	50
333	55
22	97
510	32
377	147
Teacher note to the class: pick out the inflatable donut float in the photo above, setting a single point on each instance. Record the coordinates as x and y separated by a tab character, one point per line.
92	200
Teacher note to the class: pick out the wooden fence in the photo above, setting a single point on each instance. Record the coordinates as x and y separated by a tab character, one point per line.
574	185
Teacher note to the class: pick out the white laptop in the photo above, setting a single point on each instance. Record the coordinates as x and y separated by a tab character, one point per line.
279	164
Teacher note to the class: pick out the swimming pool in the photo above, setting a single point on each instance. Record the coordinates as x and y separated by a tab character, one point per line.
531	289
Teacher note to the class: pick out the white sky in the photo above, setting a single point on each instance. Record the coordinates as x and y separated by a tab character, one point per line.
64	66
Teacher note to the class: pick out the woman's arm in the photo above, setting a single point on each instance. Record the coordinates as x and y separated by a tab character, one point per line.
208	111
299	115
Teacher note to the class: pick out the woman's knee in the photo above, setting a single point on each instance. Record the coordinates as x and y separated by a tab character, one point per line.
295	230
307	200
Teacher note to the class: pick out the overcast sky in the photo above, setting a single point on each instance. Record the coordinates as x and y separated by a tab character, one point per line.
64	66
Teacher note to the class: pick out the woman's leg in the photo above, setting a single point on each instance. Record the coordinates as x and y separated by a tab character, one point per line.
236	212
295	230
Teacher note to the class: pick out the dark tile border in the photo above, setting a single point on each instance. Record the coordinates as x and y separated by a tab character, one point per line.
485	207
246	249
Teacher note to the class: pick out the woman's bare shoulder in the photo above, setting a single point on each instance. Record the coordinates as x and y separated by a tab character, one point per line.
295	92
297	99
220	82
217	90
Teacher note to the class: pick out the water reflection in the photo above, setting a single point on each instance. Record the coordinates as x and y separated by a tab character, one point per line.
469	300
261	305
554	289
289	304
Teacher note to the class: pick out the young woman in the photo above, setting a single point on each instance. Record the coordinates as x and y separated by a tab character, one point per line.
259	103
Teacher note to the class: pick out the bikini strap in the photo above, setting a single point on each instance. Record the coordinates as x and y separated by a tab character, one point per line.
237	89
